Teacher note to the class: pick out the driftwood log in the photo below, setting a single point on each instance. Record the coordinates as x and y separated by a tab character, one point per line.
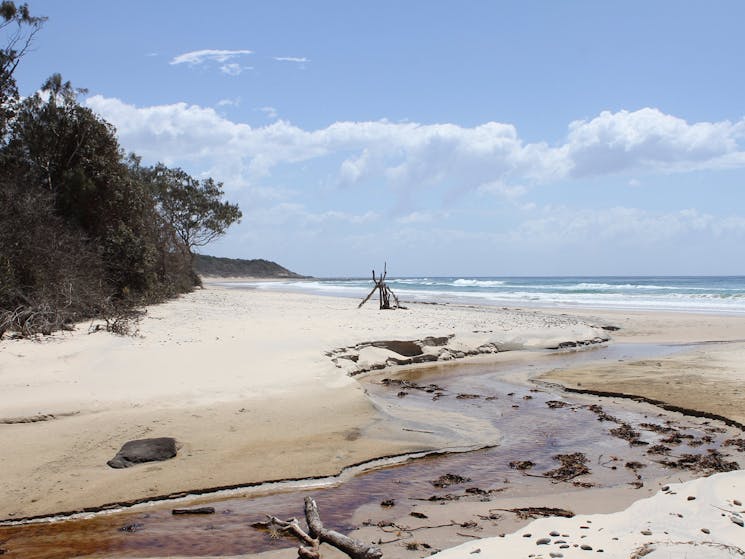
385	292
317	534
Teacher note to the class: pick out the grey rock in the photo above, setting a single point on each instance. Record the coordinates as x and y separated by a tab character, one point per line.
144	450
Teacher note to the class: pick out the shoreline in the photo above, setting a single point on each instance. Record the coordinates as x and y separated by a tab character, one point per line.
349	431
319	287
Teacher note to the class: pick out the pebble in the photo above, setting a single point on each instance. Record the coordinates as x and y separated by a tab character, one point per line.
737	503
554	533
706	530
737	520
565	546
586	547
527	535
691	498
646	533
666	488
543	541
556	554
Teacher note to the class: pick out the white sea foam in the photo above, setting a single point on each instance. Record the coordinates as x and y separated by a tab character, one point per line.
478	283
717	295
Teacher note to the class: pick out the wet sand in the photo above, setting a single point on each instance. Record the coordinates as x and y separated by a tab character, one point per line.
422	506
708	378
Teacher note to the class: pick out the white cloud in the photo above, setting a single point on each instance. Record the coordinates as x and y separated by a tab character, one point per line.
623	226
298	215
422	217
270	112
213	55
410	156
650	139
233	69
499	188
297	59
234	102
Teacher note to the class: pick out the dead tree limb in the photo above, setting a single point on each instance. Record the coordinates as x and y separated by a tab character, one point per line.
354	548
317	535
309	549
366	299
384	291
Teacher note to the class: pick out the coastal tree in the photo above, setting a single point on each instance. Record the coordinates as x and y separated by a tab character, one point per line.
70	152
193	208
85	231
17	28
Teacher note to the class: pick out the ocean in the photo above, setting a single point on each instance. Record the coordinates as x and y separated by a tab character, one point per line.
706	294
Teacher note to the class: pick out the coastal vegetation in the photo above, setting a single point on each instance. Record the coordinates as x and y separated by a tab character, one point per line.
206	265
87	230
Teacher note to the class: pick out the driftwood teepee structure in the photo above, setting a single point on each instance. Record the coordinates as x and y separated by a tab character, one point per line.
385	292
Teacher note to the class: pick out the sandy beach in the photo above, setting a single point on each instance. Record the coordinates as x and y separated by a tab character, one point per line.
243	379
258	386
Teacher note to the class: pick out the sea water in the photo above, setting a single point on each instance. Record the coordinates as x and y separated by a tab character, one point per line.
712	294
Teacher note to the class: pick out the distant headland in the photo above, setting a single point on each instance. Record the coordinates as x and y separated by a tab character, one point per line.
216	266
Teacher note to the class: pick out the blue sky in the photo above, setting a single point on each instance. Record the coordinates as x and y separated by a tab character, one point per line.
448	138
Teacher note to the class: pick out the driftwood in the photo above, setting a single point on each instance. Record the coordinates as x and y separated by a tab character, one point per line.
199	510
317	535
385	292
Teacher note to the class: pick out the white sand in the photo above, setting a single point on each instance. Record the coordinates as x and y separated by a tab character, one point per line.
668	525
251	386
243	379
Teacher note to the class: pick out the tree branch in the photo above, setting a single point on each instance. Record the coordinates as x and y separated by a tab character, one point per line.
354	548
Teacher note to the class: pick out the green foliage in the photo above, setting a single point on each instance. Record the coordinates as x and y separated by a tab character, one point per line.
50	275
238	267
192	207
17	30
86	231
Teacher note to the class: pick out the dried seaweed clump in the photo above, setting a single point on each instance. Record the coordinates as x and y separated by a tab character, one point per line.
711	462
739	444
446	480
537	512
627	433
572	466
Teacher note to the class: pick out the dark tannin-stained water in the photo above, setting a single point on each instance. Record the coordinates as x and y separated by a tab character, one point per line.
533	426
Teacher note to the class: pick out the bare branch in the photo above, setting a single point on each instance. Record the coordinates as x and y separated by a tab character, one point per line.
354	548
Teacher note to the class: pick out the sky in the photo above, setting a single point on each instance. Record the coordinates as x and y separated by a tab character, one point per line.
477	138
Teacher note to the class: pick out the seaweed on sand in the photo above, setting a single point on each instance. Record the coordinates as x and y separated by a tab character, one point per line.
572	466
